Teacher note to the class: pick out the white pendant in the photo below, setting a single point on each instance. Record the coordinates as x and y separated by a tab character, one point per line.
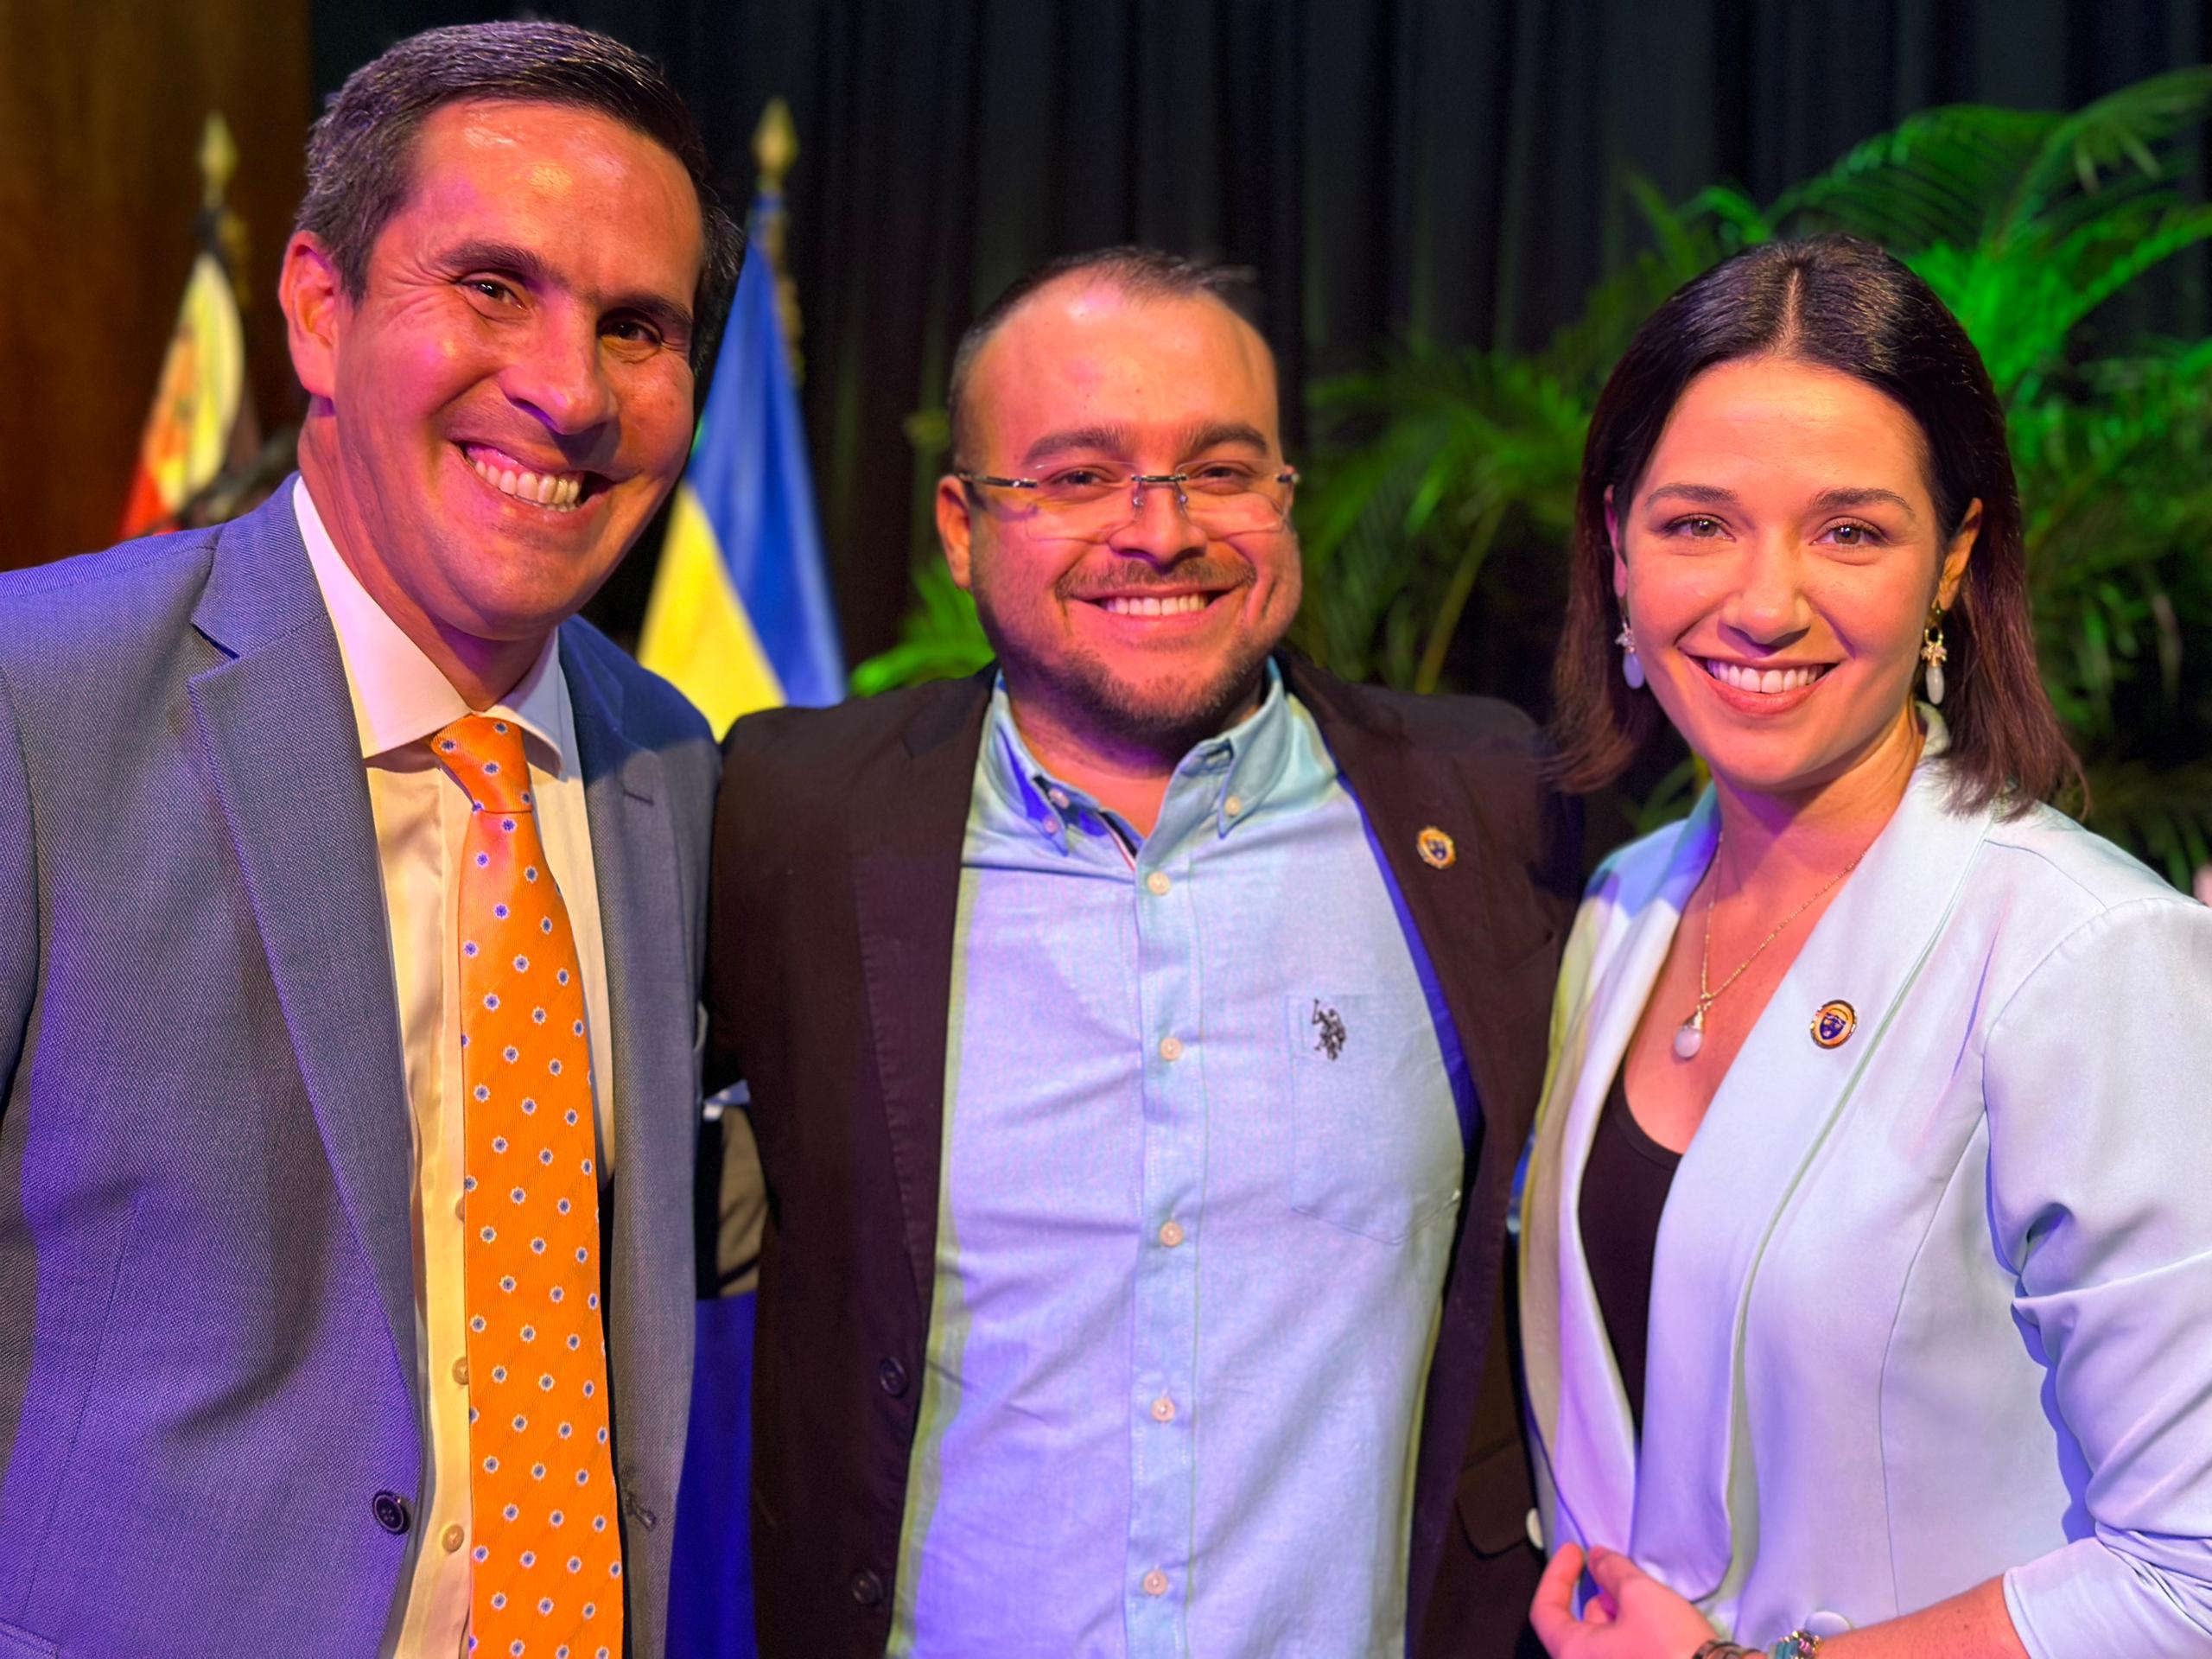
1690	1037
1632	669
1935	684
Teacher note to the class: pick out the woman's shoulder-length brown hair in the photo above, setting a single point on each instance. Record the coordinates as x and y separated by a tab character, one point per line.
1845	305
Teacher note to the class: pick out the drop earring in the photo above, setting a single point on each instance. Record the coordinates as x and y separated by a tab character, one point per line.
1933	654
1631	664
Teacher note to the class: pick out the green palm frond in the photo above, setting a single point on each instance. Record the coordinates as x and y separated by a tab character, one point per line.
2129	133
1942	177
940	638
1398	527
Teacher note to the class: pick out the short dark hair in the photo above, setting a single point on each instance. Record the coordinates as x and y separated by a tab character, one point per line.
1140	273
360	152
1845	305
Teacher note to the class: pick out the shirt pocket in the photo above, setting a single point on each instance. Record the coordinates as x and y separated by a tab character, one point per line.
1375	1135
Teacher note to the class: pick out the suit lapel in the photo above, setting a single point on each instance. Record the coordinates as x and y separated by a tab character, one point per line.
278	725
650	1011
1588	1437
906	899
1695	1501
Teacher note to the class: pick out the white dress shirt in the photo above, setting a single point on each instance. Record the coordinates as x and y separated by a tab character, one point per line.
421	815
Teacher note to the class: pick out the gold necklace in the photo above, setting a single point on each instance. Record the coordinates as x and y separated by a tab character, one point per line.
1690	1036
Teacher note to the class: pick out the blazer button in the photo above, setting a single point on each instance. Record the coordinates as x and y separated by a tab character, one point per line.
868	1589
892	1375
390	1511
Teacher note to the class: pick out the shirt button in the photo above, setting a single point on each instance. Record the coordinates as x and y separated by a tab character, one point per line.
1155	1583
891	1377
1051	826
1059	798
451	1538
1163	1411
461	1208
1158	882
1171	1233
1233	805
461	1371
1170	1049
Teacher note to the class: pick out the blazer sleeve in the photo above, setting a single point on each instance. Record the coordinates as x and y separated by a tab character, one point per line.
730	1258
18	897
2098	1086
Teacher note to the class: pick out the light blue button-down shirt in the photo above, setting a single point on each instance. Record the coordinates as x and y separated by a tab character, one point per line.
1202	1162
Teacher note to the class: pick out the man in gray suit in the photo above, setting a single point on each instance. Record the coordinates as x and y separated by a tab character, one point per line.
345	1306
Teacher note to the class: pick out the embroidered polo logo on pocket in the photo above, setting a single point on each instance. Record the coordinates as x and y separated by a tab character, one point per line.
1375	1141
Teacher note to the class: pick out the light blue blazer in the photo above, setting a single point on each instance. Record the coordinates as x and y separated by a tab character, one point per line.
1932	1305
208	1404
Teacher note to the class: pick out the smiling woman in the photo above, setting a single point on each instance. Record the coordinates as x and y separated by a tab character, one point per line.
1860	1269
1842	306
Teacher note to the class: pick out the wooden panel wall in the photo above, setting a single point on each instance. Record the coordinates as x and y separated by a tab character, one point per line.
101	103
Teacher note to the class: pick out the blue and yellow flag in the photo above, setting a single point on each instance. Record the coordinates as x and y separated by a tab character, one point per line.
740	617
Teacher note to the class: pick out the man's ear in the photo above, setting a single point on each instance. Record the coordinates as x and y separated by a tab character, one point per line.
956	529
312	296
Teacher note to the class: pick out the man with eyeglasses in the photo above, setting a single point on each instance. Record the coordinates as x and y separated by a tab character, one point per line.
1141	1036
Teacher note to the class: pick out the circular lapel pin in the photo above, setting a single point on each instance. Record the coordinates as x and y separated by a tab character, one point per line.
1436	849
1833	1024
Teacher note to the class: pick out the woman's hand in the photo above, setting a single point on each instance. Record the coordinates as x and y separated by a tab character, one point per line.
1634	1617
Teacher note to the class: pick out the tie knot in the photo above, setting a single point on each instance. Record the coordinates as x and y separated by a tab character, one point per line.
484	754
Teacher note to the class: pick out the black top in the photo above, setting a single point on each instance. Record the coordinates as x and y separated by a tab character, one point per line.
1623	1189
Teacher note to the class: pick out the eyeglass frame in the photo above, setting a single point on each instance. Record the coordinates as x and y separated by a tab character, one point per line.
1139	483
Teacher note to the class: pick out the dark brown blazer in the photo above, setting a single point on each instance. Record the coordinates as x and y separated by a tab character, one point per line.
836	879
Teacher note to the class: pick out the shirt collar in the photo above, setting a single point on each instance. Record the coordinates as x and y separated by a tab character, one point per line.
1223	781
399	695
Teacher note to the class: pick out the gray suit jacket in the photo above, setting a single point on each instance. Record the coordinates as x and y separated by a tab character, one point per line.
207	1367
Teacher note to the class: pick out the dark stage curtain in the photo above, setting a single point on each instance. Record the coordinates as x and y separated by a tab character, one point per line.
1453	167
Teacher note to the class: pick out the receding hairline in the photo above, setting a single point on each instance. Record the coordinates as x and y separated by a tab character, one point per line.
1132	289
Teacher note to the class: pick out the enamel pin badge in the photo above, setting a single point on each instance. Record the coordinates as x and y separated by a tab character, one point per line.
1833	1024
1436	849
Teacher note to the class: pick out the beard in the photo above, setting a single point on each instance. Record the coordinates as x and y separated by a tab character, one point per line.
1167	715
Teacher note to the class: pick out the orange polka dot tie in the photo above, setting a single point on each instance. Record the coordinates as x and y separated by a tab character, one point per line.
546	1578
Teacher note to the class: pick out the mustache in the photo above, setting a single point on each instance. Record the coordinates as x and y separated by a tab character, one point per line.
1215	576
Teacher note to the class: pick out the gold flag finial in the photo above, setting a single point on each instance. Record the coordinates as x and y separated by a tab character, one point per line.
775	146
218	160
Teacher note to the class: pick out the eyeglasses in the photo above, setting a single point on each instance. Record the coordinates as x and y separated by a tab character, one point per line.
1090	502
